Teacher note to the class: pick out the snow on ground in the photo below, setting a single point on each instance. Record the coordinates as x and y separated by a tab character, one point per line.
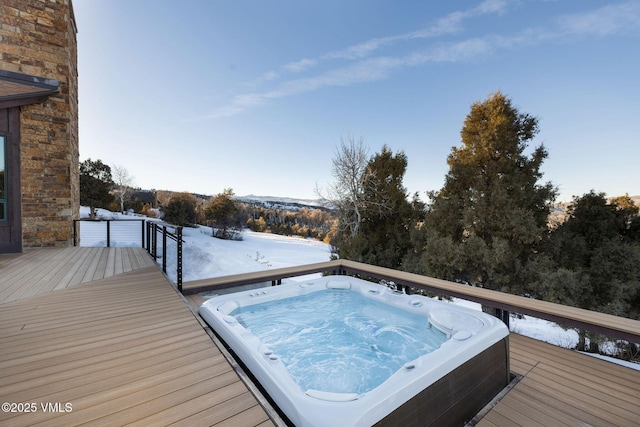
205	257
539	329
552	333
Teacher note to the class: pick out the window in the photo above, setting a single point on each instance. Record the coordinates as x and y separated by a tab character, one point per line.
3	180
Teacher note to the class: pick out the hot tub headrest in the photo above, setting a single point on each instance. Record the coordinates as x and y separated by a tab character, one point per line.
338	284
332	397
448	320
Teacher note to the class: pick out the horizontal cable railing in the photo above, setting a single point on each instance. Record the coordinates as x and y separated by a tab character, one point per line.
108	232
162	242
606	324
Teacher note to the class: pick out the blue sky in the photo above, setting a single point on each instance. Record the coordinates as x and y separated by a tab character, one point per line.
255	96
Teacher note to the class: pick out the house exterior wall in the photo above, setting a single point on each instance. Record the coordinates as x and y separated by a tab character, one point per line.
38	38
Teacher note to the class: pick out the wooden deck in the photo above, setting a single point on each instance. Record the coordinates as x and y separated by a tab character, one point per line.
39	271
126	349
121	350
563	387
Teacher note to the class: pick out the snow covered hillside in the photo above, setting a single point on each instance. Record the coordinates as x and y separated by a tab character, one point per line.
205	256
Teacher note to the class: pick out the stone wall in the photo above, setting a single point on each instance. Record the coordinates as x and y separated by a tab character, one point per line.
38	38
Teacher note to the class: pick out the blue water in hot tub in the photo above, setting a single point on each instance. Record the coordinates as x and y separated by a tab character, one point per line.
337	340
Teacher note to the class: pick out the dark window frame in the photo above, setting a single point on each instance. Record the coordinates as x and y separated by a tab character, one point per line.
11	227
3	181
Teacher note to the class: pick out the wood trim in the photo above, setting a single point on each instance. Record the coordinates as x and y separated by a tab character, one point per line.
26	100
197	286
612	326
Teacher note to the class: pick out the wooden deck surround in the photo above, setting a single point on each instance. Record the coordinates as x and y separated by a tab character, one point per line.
125	348
560	387
121	350
555	386
613	326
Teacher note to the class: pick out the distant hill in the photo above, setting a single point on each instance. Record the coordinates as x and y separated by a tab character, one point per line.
286	203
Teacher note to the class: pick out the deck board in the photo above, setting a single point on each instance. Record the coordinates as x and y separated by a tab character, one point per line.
537	409
39	271
124	349
564	387
218	411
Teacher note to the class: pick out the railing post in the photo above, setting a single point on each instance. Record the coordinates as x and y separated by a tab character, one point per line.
75	232
148	227
164	248
108	233
504	316
179	258
142	223
338	272
154	241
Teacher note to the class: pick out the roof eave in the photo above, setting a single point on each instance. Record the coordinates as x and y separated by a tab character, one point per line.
18	89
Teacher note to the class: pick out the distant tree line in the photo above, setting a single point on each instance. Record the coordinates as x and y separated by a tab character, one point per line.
303	222
102	186
489	224
227	215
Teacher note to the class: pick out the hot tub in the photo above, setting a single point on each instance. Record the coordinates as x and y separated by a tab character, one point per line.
428	362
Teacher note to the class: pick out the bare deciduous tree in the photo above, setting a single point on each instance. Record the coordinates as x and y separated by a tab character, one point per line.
350	173
123	181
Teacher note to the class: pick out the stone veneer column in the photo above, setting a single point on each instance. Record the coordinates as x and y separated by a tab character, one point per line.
38	38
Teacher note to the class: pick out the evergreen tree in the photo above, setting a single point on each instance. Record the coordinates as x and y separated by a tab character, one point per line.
629	213
181	210
223	213
95	185
484	225
593	243
592	262
386	214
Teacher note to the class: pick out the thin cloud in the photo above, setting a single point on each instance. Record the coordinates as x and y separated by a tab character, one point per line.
239	104
450	24
366	70
301	65
363	68
362	71
269	76
608	20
